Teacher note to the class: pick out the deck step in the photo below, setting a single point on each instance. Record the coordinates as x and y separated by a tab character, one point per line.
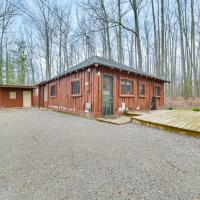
116	120
134	113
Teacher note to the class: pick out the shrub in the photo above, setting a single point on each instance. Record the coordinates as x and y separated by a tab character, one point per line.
196	109
170	108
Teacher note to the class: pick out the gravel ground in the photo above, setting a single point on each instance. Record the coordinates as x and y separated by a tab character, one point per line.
55	156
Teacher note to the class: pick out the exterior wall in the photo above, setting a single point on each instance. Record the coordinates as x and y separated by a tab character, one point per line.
91	91
6	102
0	99
64	100
35	97
135	102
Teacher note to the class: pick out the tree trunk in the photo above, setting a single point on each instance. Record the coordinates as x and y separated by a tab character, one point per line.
137	30
184	89
120	50
162	38
155	40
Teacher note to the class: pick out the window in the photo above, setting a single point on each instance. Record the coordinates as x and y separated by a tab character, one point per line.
157	91
142	89
126	87
53	91
75	87
12	95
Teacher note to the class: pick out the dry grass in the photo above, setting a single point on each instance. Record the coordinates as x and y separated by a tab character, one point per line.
181	102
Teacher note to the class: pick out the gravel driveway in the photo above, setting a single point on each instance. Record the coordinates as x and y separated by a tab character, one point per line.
45	155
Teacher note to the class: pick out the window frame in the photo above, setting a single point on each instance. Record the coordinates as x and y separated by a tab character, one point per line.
142	95
72	81
120	89
13	92
53	85
155	90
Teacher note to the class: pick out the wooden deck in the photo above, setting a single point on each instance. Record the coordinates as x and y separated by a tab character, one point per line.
180	121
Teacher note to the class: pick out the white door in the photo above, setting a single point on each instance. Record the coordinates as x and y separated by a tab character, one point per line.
26	99
45	93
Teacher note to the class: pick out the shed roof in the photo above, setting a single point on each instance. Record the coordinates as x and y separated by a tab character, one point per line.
103	62
18	86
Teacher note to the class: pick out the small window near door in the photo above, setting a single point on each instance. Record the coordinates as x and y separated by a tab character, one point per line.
157	91
13	95
126	87
75	88
142	89
53	90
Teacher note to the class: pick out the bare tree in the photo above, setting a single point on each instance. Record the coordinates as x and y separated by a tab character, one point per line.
7	14
182	48
158	36
46	27
134	6
63	21
120	49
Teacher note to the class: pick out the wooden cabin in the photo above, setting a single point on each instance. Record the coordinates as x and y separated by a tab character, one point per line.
100	87
15	96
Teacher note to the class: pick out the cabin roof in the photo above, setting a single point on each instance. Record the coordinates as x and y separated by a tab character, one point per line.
103	62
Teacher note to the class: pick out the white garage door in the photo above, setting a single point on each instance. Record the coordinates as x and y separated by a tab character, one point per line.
26	99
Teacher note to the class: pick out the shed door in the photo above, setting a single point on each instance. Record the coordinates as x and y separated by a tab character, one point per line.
26	99
108	95
45	93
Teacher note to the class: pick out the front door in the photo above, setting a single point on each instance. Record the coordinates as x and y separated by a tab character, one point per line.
108	103
26	99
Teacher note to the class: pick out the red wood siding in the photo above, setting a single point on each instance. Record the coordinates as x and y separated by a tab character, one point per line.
64	100
0	99
35	98
132	102
6	102
91	91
